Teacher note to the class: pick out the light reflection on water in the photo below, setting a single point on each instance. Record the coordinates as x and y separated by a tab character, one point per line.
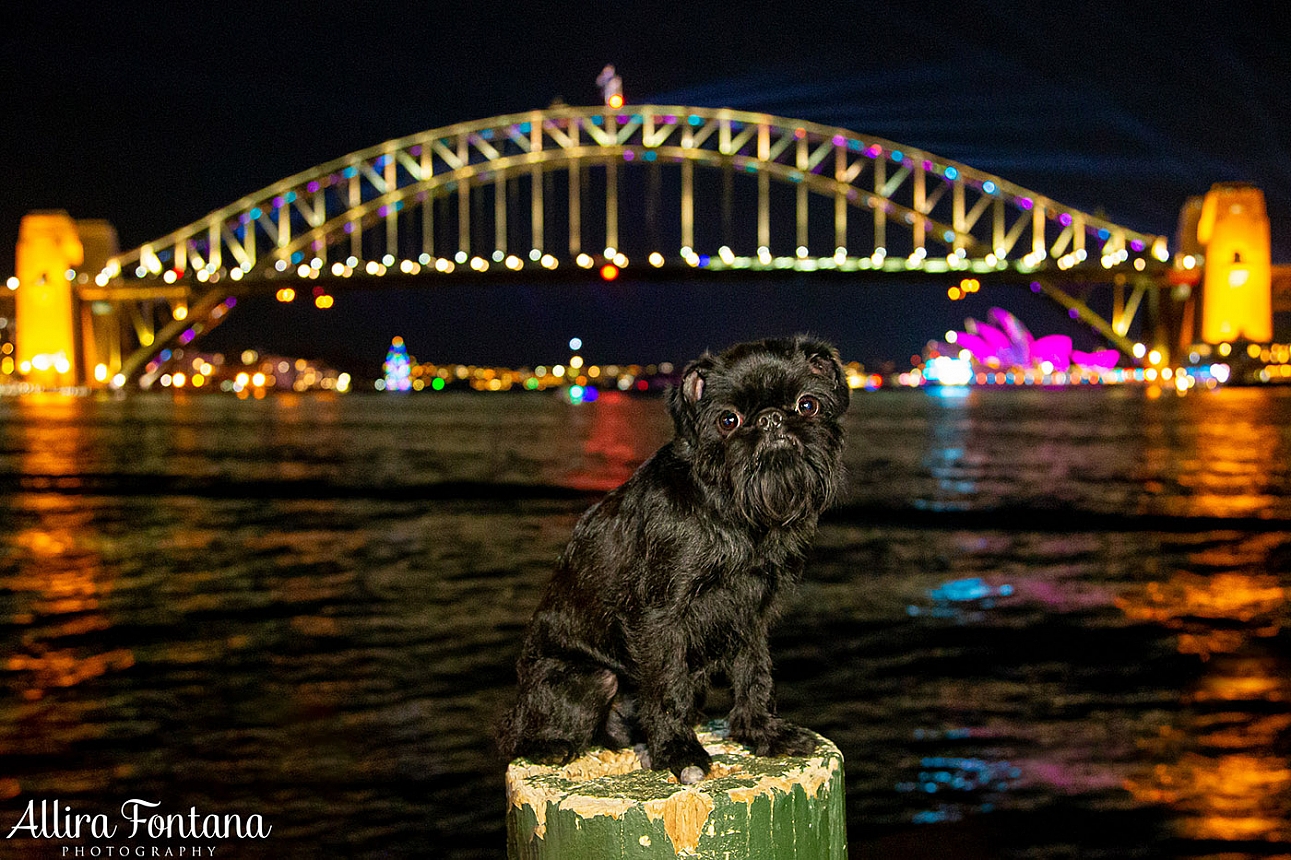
1042	623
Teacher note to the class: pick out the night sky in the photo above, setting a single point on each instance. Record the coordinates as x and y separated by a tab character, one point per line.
152	115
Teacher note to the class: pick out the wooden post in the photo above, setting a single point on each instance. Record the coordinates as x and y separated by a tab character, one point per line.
603	805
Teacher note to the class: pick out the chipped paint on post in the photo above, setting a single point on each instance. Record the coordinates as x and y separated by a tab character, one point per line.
605	804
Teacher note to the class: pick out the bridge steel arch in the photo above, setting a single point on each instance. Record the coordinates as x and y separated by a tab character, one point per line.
925	214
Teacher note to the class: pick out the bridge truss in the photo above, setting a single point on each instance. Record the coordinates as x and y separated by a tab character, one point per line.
586	186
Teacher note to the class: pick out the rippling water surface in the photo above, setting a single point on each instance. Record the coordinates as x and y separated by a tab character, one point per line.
1042	624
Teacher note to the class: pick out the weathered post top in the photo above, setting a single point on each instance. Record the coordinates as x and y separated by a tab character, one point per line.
604	805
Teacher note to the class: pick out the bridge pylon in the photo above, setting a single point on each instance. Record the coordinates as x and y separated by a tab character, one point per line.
61	338
1222	278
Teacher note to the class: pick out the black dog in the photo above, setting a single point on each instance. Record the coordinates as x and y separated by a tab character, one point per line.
676	575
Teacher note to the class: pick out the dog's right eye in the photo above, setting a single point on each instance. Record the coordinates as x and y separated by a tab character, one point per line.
729	422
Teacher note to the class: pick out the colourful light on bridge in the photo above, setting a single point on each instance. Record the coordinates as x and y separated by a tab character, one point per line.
609	272
286	294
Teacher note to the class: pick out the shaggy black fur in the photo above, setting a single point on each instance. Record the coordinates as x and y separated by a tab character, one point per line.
675	576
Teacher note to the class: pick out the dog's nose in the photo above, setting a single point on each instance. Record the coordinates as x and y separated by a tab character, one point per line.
770	419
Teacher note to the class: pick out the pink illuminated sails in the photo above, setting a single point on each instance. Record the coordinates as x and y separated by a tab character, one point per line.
1005	343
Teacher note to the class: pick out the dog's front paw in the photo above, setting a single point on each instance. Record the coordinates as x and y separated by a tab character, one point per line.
685	757
776	737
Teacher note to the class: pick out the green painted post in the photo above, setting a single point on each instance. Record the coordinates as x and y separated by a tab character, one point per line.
603	805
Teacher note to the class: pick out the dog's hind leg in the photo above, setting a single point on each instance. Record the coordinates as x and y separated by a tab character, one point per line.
562	709
622	730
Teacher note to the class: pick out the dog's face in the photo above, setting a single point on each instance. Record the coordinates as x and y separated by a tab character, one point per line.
761	420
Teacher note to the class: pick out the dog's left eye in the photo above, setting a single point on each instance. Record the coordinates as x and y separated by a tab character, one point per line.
808	406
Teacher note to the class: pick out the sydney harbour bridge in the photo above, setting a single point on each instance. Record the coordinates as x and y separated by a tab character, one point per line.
596	190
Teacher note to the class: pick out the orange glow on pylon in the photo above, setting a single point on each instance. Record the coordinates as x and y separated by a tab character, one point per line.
1237	285
49	247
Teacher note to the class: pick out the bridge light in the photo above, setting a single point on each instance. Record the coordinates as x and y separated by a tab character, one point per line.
549	262
621	260
656	259
280	265
955	294
286	294
802	252
461	257
609	272
584	261
323	302
611	87
180	313
170	277
237	273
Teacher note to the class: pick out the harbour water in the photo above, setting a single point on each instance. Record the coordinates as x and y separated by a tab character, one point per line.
1041	623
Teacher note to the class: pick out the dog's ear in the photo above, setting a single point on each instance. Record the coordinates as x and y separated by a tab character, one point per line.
825	362
692	384
684	398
